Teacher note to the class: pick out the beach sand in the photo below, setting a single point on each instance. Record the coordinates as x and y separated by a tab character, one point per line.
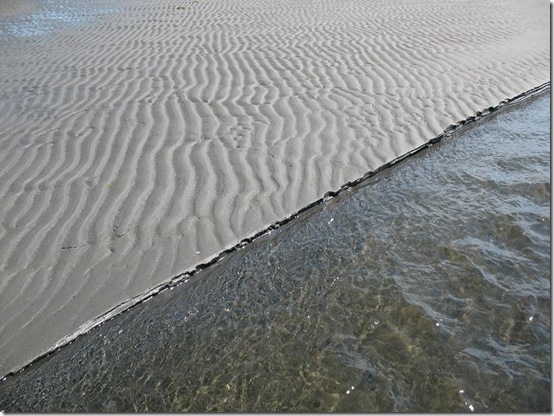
139	139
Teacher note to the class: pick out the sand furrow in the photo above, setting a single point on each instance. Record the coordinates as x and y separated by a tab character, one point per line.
237	138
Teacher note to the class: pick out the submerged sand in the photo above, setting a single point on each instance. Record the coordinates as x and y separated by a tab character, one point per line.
139	139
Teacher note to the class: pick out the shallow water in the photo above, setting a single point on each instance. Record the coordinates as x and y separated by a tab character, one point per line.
427	289
47	16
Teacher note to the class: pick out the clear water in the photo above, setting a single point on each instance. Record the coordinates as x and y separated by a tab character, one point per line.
427	289
49	16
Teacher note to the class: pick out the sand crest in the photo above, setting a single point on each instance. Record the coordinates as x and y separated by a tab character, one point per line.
139	139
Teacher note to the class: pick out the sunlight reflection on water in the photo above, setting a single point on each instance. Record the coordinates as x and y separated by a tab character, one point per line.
48	16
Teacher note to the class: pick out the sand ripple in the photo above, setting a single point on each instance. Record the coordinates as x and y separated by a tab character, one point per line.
139	139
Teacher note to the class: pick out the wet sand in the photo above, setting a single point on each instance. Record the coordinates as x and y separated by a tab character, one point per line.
141	139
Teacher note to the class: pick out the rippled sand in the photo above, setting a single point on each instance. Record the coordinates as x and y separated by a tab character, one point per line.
139	139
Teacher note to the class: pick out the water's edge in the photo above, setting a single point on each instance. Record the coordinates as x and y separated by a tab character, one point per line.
301	214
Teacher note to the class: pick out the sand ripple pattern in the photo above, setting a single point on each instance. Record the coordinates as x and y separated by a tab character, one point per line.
139	138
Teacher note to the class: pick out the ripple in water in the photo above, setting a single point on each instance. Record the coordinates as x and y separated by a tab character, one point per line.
47	16
425	290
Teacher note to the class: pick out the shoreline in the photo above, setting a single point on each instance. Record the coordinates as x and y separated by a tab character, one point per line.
336	310
456	129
